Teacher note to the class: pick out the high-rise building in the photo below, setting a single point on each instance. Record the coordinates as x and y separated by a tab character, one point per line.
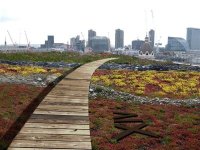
119	38
72	42
91	34
193	38
50	41
152	37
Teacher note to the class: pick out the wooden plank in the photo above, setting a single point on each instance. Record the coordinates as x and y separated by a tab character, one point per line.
50	144
86	85
58	117
71	82
127	120
58	121
74	77
82	85
68	100
50	112
79	78
37	118
63	93
84	77
70	88
64	109
63	103
55	126
75	82
43	149
68	94
60	84
70	91
79	95
53	137
55	131
136	129
79	84
57	97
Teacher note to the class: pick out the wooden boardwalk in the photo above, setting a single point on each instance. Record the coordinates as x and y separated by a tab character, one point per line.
61	120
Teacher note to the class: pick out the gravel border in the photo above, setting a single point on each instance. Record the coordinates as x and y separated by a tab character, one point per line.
109	93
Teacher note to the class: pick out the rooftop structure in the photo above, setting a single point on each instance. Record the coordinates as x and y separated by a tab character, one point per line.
136	44
100	43
146	50
77	44
177	44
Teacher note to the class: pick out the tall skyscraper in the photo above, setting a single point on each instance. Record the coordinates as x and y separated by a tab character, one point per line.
152	37
119	38
72	42
50	41
193	38
91	34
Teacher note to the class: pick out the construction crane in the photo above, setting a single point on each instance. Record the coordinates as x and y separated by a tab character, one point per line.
83	41
82	36
5	42
28	42
152	17
157	45
11	39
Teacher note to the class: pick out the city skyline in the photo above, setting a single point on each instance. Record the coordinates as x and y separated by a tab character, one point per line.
66	19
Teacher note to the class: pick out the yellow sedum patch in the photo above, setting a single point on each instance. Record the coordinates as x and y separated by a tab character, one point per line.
2	71
27	70
174	84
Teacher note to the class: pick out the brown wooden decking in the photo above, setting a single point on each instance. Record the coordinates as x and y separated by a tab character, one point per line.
61	120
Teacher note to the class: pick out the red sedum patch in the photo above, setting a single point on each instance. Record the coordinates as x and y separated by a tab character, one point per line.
14	98
178	126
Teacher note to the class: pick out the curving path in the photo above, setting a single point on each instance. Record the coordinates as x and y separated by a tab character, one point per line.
61	120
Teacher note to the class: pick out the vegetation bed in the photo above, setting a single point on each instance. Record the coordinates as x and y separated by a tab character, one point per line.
171	84
14	100
178	126
19	99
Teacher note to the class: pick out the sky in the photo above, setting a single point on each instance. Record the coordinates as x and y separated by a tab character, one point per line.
67	18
